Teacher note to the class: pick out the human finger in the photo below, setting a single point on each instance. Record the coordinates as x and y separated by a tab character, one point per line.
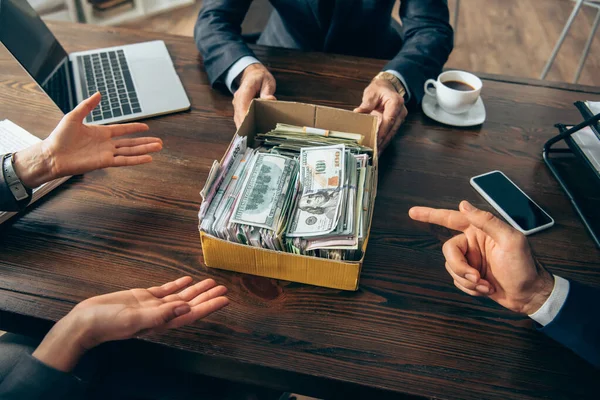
447	218
385	141
268	88
454	251
125	129
85	107
482	286
208	295
468	291
138	150
129	161
241	102
198	312
153	317
487	222
170	287
135	141
369	102
191	292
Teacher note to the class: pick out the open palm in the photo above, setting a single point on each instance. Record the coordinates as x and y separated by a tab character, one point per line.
131	313
76	148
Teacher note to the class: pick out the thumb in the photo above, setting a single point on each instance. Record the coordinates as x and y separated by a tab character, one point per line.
267	90
368	104
85	107
487	222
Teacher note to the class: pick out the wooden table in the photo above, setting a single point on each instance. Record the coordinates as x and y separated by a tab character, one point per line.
406	331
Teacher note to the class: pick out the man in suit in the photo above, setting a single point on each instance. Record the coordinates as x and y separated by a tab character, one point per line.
417	50
490	258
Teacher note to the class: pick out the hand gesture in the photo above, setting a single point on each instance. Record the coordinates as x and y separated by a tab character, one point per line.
381	99
75	148
127	314
490	258
256	81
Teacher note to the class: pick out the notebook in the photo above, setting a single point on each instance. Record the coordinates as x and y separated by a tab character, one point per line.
12	139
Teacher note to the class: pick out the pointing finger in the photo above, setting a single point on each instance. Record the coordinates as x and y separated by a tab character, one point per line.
447	218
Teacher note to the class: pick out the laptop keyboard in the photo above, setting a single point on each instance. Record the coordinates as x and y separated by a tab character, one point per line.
108	73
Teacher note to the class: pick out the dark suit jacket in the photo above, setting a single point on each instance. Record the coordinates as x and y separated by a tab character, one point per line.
577	324
353	27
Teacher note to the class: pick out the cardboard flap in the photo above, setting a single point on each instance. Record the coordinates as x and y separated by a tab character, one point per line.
268	113
347	121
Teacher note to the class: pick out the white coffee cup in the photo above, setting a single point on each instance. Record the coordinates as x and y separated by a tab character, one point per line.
451	100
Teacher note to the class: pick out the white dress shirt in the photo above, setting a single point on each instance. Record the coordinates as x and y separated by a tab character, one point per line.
549	310
240	65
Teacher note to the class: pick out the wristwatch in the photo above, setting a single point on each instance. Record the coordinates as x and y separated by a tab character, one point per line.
396	83
18	190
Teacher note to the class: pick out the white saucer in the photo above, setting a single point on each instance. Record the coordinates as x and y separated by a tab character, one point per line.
475	116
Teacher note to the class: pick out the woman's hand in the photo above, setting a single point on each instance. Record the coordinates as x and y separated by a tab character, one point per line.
127	314
74	148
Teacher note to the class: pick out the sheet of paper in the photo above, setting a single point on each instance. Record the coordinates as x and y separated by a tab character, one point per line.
594	106
589	143
14	138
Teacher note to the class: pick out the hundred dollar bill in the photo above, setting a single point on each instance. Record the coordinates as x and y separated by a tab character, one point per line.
322	177
260	202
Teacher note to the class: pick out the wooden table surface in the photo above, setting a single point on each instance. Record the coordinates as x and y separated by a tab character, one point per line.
408	330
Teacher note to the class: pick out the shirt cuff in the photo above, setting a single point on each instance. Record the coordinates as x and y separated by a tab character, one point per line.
237	68
397	75
554	303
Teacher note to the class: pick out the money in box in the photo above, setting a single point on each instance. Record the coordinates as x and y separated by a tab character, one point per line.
293	196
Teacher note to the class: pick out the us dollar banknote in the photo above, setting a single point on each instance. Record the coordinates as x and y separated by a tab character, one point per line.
262	197
322	176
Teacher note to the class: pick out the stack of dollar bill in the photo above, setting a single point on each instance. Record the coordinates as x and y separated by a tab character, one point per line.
301	190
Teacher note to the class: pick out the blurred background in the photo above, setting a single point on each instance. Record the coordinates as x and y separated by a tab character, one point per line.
508	37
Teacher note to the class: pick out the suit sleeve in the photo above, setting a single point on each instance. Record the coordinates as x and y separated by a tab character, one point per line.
428	40
576	325
218	35
32	379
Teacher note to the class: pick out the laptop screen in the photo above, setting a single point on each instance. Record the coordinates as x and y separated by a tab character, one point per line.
30	41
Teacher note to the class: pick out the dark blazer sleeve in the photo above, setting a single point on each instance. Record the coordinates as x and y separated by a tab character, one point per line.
32	379
7	200
577	324
428	40
218	35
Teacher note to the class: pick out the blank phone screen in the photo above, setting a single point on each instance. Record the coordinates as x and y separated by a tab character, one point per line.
518	206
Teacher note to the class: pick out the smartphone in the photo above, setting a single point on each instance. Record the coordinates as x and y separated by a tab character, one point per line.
511	202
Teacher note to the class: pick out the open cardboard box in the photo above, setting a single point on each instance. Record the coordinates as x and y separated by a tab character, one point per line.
262	117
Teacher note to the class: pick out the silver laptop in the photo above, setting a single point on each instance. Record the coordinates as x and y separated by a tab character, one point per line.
136	81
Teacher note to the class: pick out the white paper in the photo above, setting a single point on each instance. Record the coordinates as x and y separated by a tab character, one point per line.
14	138
594	106
589	144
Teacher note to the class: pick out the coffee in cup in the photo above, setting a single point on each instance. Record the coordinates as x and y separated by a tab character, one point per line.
456	91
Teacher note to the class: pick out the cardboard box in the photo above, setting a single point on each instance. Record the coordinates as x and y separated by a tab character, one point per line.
262	117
